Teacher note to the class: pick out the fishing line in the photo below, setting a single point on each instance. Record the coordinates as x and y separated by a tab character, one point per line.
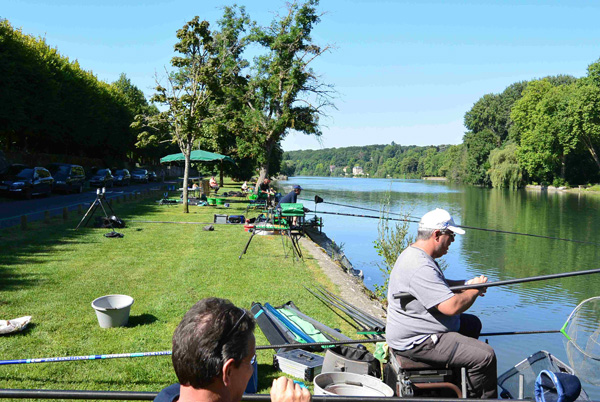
353	206
461	226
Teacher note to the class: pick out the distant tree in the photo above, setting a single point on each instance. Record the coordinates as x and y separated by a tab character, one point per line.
505	171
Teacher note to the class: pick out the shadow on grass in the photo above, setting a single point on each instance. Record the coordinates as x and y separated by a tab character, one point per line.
39	241
142	319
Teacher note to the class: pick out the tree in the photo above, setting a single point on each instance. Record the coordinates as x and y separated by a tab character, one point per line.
505	171
187	95
584	113
284	93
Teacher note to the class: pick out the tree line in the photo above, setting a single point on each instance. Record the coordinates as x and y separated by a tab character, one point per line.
49	104
211	97
544	131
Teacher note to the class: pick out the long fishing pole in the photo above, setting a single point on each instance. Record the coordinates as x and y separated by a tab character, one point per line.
262	347
348	206
462	226
403	295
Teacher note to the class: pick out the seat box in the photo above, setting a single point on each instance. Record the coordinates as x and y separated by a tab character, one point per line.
220	218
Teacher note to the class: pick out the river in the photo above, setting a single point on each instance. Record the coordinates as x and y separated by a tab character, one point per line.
543	305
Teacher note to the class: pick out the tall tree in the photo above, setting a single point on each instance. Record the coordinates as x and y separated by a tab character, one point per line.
187	94
284	92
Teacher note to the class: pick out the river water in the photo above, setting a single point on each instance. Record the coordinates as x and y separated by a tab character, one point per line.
543	305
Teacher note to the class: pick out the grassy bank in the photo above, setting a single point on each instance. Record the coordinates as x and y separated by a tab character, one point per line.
52	272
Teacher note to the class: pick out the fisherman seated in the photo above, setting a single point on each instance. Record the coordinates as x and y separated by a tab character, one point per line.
213	184
214	357
429	326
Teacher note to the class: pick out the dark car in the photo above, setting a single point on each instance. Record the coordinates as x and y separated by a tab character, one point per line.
26	181
102	178
152	176
122	177
140	175
67	178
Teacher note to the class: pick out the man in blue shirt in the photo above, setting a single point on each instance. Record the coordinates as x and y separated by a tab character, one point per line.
292	196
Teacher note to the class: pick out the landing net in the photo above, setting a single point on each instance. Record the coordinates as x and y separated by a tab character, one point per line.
582	340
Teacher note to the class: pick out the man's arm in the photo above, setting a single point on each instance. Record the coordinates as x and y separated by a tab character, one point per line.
461	302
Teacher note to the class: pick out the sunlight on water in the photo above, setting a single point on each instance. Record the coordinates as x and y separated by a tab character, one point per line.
543	305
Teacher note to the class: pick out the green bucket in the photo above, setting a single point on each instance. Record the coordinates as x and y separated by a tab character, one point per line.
252	197
211	201
220	201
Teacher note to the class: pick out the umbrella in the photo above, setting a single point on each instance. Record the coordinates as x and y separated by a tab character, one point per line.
197	156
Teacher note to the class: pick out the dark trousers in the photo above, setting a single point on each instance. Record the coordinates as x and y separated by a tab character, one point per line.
462	349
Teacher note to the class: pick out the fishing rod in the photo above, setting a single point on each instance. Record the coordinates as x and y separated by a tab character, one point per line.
329	303
375	321
461	226
319	200
149	396
402	295
357	316
262	347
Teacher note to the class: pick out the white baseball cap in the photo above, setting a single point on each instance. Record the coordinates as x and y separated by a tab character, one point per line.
439	219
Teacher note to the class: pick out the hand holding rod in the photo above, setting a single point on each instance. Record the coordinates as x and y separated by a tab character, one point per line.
403	295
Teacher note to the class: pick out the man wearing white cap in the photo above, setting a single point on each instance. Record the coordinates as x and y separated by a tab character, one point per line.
430	326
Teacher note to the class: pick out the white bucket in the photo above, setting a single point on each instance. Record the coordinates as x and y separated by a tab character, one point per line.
112	310
350	384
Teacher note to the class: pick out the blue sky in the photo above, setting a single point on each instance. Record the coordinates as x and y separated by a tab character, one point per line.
405	71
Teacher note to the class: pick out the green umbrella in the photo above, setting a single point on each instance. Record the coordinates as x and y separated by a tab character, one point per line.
197	156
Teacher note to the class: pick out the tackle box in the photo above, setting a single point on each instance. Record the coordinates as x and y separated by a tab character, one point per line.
220	218
299	363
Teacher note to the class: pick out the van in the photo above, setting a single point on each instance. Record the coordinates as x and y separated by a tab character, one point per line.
67	178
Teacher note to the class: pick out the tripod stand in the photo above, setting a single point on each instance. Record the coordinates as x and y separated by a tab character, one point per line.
99	201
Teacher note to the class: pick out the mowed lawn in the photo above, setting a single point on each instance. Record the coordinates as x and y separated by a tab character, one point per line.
52	272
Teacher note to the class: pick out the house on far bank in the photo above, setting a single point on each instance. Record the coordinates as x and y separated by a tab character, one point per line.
345	169
357	171
331	168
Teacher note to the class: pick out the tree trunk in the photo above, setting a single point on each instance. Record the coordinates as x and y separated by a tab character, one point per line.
590	146
221	173
563	166
262	173
186	174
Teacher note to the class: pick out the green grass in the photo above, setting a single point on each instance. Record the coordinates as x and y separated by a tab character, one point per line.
52	272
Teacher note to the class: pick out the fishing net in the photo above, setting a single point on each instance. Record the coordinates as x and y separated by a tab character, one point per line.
582	340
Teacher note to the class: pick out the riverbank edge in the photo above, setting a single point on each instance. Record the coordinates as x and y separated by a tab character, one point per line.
351	288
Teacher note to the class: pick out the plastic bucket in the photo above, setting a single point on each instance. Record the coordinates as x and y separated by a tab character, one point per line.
252	196
112	310
211	200
351	384
220	201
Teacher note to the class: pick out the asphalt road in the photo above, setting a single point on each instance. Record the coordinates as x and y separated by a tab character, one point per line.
11	209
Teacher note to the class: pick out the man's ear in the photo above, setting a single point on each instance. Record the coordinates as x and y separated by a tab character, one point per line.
228	372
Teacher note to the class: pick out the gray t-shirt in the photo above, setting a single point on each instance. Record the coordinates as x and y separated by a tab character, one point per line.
411	321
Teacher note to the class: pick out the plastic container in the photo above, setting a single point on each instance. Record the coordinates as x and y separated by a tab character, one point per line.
112	310
252	197
351	384
220	201
211	200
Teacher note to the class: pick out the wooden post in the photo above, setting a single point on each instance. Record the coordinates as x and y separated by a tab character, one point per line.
23	222
65	213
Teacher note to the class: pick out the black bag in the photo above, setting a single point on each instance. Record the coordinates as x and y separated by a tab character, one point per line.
351	360
110	222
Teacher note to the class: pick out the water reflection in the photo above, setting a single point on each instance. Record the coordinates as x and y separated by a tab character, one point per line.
530	306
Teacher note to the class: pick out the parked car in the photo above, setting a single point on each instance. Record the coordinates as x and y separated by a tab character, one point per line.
67	178
140	175
122	177
102	178
26	181
152	175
